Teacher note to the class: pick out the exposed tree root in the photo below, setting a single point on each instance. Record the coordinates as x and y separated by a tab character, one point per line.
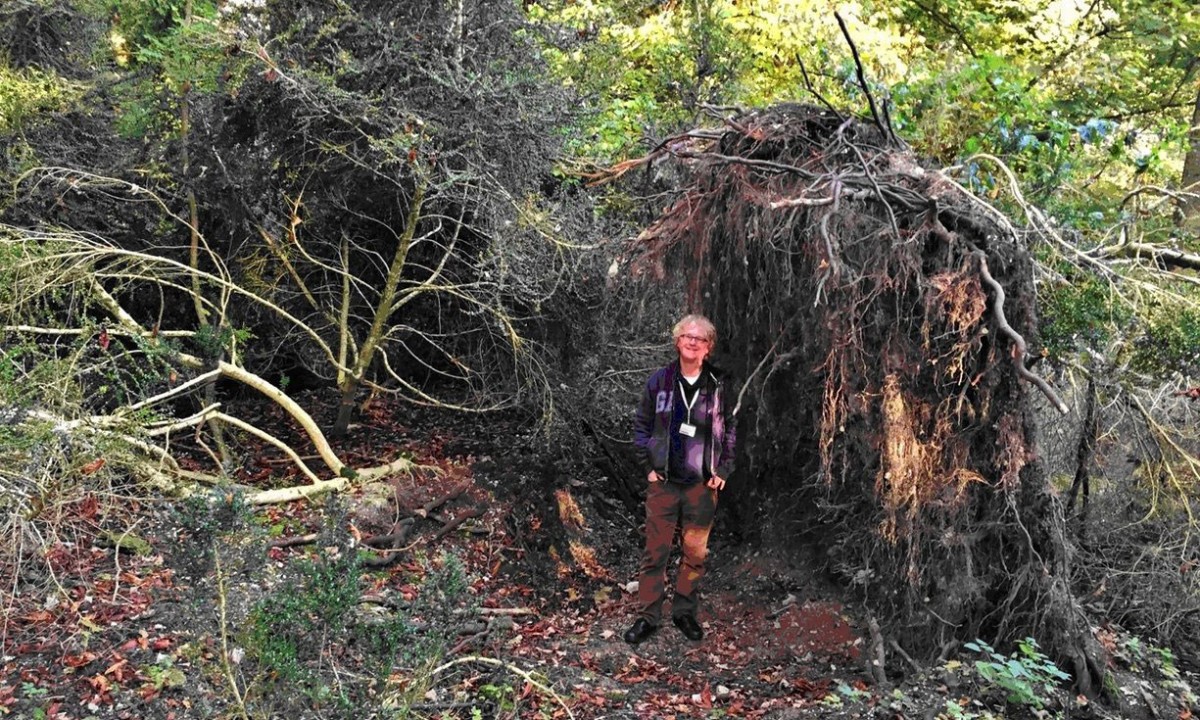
879	315
1020	349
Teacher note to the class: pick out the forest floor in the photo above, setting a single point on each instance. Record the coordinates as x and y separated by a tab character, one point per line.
507	597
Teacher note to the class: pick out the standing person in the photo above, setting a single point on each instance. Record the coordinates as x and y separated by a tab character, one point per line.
686	440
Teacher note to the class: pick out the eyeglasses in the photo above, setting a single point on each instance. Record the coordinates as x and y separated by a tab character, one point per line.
699	339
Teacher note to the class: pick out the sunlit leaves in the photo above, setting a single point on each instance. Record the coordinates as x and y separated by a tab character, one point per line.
25	93
644	70
180	41
1011	77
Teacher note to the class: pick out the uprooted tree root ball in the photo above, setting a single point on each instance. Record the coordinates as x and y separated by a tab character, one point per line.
879	315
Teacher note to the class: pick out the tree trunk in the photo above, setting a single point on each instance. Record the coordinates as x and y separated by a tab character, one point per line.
348	391
1190	180
384	307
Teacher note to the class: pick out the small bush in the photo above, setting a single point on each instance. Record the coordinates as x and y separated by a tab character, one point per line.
315	645
1027	676
1083	313
288	631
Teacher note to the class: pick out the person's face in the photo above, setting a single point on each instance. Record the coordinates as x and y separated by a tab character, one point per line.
692	344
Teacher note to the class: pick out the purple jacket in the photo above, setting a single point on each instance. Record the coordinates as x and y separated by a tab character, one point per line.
652	425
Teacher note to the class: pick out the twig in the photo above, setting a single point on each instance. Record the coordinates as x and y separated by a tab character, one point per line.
1164	255
205	378
500	611
462	644
225	661
788	603
268	438
501	664
812	89
878	659
1191	460
738	405
800	202
398	535
1084	454
862	78
1019	353
751	162
294	541
437	502
879	191
438	707
117	558
389	545
907	658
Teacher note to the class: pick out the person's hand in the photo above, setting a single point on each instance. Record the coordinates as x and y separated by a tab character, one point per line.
716	482
653	477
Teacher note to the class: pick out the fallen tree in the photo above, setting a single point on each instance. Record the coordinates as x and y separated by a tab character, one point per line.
881	316
61	276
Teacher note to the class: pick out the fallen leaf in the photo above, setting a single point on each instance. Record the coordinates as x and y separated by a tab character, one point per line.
76	661
39	616
118	670
92	467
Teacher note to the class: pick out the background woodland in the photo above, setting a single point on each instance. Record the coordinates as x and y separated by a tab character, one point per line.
244	225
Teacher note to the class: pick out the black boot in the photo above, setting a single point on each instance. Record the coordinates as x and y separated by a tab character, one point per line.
689	627
639	632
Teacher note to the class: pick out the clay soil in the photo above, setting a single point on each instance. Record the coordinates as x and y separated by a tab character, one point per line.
548	560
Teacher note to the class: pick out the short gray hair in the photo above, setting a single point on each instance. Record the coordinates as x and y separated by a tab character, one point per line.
710	330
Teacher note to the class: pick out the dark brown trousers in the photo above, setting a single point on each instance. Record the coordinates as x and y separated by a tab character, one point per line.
670	506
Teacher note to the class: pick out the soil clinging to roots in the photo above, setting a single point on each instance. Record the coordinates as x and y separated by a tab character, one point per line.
878	313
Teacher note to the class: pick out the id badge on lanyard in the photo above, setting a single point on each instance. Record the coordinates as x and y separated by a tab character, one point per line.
687	429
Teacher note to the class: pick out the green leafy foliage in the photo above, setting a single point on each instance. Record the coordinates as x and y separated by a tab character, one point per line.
1171	341
289	632
1137	653
214	342
26	93
642	70
1049	88
1079	313
288	629
1027	676
184	46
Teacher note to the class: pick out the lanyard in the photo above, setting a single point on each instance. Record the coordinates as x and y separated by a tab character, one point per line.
688	405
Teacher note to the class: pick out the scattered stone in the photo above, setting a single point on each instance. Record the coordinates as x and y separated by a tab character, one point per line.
124	541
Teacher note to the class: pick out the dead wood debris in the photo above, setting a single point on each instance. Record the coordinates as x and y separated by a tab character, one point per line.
389	546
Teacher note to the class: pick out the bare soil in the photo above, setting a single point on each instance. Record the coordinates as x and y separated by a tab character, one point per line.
547	560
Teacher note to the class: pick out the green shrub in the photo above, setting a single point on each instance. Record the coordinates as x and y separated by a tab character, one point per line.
1081	313
1027	676
289	629
28	92
1171	342
297	634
